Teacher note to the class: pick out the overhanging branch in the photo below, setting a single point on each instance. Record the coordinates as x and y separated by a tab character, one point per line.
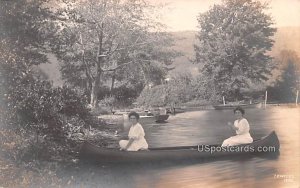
117	67
121	65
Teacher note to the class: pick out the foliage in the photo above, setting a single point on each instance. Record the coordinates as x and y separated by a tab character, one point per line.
205	89
45	121
152	96
122	95
21	47
21	32
38	106
232	44
29	101
99	40
50	121
285	88
126	95
34	112
38	123
179	89
20	160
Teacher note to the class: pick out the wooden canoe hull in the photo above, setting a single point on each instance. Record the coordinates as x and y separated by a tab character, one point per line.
91	152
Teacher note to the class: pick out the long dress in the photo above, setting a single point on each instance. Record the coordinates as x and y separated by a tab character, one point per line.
136	132
243	136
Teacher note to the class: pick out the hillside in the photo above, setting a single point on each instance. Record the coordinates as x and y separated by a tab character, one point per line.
184	43
286	38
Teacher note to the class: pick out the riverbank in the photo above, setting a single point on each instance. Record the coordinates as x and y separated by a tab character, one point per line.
112	119
39	165
184	129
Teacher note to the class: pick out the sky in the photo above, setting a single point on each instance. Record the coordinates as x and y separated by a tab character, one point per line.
182	14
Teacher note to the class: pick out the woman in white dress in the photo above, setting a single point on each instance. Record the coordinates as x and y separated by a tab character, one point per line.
136	135
241	127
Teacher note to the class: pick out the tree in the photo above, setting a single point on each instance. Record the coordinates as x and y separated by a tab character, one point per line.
21	24
232	43
29	106
21	46
97	40
177	90
152	97
286	86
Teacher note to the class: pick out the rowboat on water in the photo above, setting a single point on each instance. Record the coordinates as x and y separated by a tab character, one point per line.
232	106
175	110
267	144
161	118
154	118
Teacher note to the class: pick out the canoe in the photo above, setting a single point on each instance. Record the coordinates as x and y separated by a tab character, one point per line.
161	118
175	110
232	106
155	118
90	152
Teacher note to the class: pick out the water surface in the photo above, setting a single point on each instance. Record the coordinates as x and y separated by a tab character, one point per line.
210	127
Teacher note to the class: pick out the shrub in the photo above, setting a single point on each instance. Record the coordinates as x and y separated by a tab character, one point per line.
39	121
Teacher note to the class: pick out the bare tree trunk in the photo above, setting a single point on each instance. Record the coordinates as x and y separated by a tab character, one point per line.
99	59
113	82
96	84
89	76
88	85
94	92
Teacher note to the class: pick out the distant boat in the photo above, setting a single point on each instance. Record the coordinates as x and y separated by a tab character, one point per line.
146	119
161	118
232	106
90	152
154	118
175	110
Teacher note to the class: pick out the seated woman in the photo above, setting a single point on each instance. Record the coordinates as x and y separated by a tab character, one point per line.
136	135
241	127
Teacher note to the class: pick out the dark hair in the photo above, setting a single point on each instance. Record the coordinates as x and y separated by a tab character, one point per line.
134	114
239	109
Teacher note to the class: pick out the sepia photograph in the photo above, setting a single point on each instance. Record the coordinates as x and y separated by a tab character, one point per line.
149	93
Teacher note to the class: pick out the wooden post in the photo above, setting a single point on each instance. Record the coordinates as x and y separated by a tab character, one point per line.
223	100
266	98
297	97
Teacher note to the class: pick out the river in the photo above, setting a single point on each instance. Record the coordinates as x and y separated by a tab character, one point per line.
210	127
